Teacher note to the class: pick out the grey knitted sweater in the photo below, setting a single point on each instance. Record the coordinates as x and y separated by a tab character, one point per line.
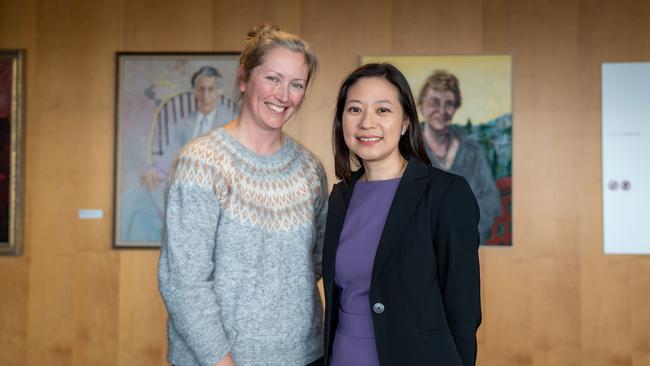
241	254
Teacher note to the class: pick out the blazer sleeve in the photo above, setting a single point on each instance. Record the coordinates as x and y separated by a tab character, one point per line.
456	241
320	221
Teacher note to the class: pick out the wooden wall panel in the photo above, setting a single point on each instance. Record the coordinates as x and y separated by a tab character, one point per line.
17	30
233	19
150	25
340	31
73	273
615	289
505	337
143	320
436	27
496	32
552	299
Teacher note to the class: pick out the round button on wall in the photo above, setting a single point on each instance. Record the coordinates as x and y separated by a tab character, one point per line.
378	308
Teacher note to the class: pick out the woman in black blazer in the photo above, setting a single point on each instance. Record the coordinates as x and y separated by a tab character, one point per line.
400	259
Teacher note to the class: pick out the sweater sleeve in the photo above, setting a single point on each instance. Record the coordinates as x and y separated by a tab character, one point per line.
457	240
321	218
185	270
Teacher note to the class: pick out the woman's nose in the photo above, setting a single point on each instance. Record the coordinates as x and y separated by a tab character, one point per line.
367	121
282	93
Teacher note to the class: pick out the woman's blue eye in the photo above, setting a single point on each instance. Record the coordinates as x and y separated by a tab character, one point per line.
272	78
298	86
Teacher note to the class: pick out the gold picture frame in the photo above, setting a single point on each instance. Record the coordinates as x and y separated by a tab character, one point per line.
12	114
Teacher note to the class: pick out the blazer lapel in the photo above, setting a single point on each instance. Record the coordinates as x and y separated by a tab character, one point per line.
409	191
337	210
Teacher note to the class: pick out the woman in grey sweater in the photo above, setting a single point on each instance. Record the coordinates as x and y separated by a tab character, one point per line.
244	220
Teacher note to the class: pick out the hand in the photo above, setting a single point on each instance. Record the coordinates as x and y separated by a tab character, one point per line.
151	178
226	361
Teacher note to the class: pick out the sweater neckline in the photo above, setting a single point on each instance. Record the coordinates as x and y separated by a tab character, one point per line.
281	155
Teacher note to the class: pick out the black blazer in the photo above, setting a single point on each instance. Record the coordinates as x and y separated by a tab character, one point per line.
425	291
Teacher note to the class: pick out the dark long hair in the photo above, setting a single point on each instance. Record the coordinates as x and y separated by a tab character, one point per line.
411	144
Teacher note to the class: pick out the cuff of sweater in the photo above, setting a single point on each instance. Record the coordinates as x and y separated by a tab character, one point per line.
211	352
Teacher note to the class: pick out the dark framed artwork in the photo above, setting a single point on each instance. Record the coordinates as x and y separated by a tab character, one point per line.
12	114
465	110
164	100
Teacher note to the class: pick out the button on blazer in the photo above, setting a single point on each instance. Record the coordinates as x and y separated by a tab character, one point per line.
425	276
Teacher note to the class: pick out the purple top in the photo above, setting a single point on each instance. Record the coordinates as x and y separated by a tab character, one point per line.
354	342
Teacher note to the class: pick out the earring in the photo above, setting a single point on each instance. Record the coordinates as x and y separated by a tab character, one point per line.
403	131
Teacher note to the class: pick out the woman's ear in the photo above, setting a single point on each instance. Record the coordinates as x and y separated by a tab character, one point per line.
405	125
240	79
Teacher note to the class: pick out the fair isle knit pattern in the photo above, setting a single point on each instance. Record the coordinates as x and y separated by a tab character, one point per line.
272	197
241	254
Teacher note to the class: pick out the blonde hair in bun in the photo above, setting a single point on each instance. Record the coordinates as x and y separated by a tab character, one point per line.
265	37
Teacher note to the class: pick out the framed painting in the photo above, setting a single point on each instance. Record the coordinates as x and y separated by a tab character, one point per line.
12	112
164	100
465	110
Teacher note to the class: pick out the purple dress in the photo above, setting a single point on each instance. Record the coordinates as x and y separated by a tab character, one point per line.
354	340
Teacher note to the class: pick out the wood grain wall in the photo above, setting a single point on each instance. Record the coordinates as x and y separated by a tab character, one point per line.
552	299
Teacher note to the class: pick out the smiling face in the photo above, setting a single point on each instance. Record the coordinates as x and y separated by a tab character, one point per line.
275	89
438	108
373	120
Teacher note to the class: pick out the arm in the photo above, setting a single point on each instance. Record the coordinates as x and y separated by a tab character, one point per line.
157	171
186	265
456	241
487	195
321	218
152	177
